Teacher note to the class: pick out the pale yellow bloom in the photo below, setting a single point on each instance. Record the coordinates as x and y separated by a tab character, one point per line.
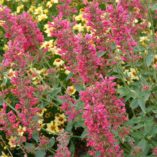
11	74
49	4
70	90
41	17
2	22
80	18
155	61
4	155
1	1
144	40
54	1
2	8
12	141
132	74
19	8
38	10
21	130
52	128
50	46
41	124
48	29
5	48
31	9
60	119
42	112
67	72
78	27
58	62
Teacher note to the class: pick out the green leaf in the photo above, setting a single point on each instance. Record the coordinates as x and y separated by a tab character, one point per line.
69	76
69	126
29	147
55	91
134	104
51	142
87	155
148	125
100	54
40	153
149	59
79	123
123	91
84	134
98	154
154	7
141	103
144	145
72	148
36	136
79	87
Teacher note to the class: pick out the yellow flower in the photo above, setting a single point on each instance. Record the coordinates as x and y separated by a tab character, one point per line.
2	22
45	11
78	27
2	8
38	11
48	45
21	130
11	74
31	9
54	1
144	40
47	115
79	18
49	4
48	29
52	128
58	62
71	90
155	61
19	8
1	1
41	112
5	48
133	74
60	119
4	155
41	17
67	72
41	125
12	141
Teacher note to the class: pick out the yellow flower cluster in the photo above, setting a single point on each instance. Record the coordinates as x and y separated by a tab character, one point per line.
57	124
38	75
71	90
4	155
81	25
131	74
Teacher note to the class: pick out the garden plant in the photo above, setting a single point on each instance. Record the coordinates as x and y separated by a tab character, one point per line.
78	78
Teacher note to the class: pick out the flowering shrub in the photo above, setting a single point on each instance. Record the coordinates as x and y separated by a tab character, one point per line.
78	78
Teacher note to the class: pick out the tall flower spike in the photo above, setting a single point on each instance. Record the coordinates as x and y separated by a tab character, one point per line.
103	113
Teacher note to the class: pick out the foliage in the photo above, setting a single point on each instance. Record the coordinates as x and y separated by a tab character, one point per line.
78	78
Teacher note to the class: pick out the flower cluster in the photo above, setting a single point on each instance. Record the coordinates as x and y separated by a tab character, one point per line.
103	113
78	78
24	38
62	150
